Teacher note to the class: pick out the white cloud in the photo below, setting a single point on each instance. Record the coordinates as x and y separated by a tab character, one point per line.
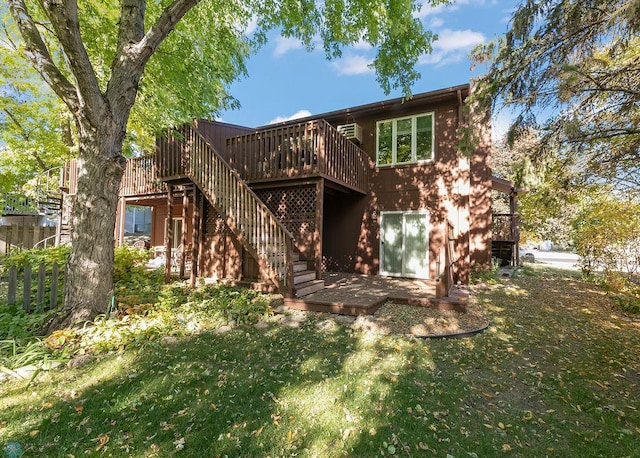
451	40
297	115
362	45
353	65
252	26
436	23
452	46
284	45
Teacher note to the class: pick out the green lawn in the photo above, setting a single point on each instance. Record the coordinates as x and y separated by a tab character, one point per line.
556	374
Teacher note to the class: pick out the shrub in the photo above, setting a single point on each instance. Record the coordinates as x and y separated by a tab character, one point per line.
129	263
37	256
486	274
16	323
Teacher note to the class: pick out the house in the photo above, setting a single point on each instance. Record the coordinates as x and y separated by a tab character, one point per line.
24	223
377	189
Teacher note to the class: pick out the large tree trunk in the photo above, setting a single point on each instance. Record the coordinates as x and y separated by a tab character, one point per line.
89	274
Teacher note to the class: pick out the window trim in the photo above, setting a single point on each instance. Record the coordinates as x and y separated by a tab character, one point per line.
414	139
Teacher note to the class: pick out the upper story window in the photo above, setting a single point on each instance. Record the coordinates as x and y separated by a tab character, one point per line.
405	140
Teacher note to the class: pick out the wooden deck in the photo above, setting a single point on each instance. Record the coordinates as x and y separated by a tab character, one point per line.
312	149
352	294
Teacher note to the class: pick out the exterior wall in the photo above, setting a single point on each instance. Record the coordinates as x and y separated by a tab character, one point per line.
216	133
480	194
159	214
453	188
441	187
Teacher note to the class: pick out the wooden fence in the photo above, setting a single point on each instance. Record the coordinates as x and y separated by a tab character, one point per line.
24	237
37	288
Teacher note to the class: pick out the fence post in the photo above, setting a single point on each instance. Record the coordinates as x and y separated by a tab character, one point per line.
42	276
26	293
53	298
13	285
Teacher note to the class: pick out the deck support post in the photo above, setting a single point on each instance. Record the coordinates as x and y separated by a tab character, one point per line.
168	234
120	220
318	232
183	239
195	235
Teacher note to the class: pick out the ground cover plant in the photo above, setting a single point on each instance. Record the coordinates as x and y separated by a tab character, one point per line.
556	374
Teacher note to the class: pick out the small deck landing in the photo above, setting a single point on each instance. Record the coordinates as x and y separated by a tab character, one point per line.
352	294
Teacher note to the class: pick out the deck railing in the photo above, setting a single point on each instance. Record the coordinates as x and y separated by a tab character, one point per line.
312	148
246	215
141	177
18	204
505	227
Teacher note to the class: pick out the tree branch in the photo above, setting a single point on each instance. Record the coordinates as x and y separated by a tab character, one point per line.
135	48
165	23
64	19
37	52
25	134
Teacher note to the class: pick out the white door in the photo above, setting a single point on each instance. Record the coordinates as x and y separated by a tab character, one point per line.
404	244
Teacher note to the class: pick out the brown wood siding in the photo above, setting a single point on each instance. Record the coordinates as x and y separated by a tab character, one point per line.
480	203
216	133
158	216
441	187
451	187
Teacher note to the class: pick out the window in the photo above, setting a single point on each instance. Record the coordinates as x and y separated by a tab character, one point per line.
405	140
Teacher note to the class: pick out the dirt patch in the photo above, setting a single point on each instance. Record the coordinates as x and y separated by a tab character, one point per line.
423	321
407	320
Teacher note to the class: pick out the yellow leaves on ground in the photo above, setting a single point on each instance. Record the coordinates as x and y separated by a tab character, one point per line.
46	405
59	338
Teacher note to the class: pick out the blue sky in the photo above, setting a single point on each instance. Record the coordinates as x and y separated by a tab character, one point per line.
286	81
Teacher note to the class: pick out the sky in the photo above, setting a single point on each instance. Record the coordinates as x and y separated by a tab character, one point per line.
286	81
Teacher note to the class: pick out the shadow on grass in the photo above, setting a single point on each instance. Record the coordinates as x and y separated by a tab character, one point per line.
545	379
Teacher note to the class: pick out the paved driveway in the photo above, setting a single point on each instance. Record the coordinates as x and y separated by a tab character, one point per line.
558	259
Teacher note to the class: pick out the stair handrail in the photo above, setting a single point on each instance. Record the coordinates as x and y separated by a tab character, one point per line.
44	241
273	248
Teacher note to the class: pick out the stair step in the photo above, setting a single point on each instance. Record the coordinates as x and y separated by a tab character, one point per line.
303	276
299	266
310	287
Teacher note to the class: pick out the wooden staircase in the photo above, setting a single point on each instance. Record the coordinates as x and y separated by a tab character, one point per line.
304	280
262	235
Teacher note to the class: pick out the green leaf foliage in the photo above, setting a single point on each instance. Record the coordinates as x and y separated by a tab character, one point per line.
572	70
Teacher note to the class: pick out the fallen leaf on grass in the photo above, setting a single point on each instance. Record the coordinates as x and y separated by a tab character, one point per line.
46	405
102	440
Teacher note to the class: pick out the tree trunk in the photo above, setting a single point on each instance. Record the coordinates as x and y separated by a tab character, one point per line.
88	287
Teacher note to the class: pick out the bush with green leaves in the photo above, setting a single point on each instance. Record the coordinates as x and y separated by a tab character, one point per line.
15	323
37	256
130	263
606	235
